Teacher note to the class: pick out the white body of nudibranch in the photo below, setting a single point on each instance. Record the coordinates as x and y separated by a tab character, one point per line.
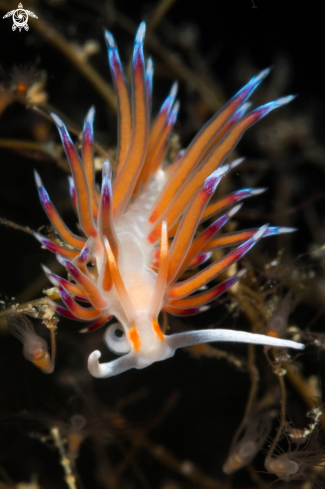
140	233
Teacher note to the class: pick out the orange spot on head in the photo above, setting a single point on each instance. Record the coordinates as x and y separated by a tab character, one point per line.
135	339
273	334
157	330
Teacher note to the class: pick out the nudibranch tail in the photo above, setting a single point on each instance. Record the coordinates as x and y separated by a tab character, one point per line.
191	338
143	230
35	348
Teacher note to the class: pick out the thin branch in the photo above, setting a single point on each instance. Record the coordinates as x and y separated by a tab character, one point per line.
158	14
69	51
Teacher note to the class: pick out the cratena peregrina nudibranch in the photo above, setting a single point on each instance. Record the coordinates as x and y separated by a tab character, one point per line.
139	234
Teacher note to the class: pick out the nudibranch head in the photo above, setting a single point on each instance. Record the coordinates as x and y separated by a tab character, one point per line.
139	234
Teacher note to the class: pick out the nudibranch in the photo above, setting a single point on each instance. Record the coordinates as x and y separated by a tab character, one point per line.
140	233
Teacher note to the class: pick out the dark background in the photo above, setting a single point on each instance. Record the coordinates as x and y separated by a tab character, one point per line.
226	43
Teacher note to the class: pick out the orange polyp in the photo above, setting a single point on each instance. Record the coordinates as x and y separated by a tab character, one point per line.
126	178
43	361
35	348
135	338
22	88
157	330
38	355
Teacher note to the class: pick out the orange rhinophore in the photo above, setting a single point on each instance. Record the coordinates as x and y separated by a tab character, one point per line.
139	234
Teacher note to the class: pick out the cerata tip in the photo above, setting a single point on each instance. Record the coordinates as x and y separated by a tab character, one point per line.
260	232
90	115
285	100
110	40
141	33
263	74
56	119
37	179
